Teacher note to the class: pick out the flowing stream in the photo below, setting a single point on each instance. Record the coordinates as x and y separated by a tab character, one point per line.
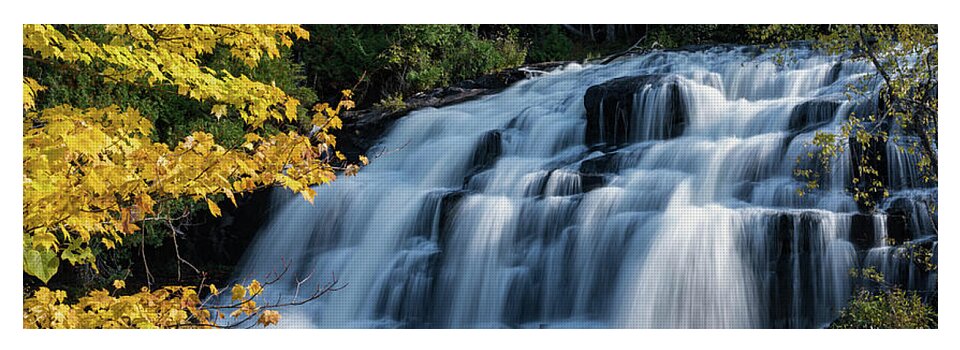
656	191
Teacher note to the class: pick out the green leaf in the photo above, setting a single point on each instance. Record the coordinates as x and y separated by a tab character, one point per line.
41	264
77	254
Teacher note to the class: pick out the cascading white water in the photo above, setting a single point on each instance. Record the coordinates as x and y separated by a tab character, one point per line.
519	210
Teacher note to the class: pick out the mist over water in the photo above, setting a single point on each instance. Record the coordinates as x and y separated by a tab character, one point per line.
674	208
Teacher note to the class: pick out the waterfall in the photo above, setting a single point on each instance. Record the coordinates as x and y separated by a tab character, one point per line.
656	191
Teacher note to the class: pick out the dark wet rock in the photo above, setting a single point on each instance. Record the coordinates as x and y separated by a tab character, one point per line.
863	232
487	151
448	207
813	114
809	244
834	73
590	182
610	110
909	219
604	164
485	154
897	227
223	241
781	292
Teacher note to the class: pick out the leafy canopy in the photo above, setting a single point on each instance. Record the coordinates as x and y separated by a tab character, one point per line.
95	174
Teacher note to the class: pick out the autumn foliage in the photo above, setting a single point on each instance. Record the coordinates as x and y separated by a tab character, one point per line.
96	174
167	307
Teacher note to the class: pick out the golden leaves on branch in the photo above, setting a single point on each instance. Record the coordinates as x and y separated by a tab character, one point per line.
169	54
269	317
255	288
95	173
166	307
105	185
30	90
237	293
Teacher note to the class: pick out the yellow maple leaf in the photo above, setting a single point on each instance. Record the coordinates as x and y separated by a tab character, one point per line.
255	288
219	111
145	203
249	307
229	194
347	104
252	138
126	222
237	292
269	317
30	89
214	209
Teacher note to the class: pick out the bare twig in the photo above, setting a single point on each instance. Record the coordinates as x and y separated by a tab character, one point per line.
143	253
321	289
176	249
386	152
617	55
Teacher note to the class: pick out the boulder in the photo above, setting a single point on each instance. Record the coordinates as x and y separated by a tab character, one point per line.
610	110
834	73
487	151
863	232
605	164
909	219
810	115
